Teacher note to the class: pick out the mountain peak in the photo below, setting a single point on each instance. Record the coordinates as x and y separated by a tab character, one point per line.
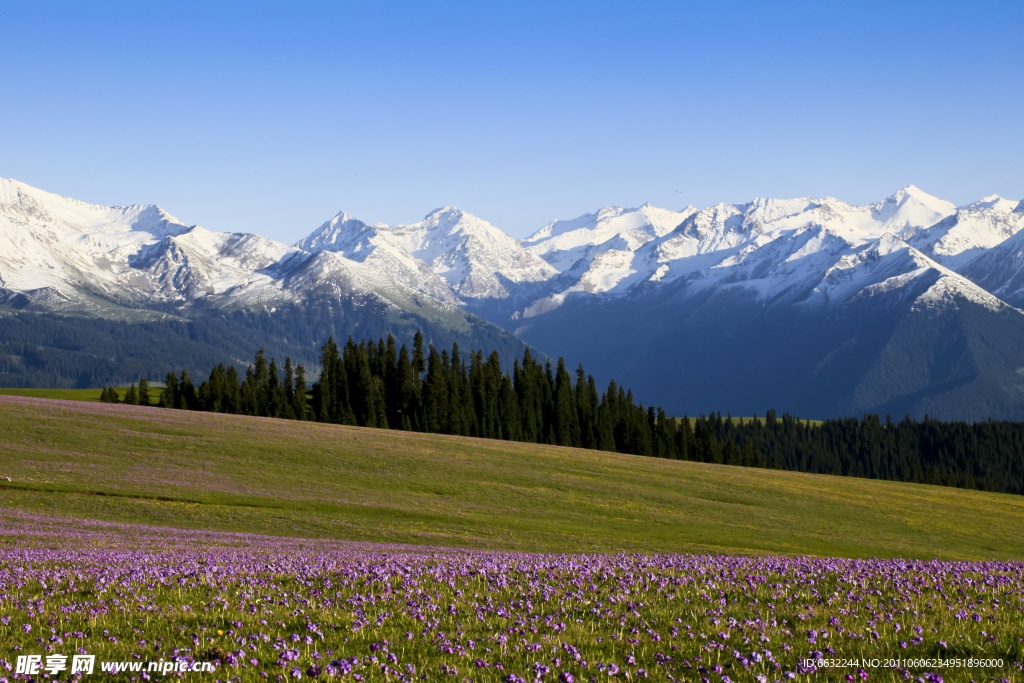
994	202
343	217
329	235
914	192
448	209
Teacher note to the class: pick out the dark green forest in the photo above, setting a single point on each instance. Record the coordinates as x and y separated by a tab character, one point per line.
375	384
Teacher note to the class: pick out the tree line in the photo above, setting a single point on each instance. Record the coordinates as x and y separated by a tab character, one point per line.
375	384
981	455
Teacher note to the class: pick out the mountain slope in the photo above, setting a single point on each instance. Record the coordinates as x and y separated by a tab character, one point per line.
806	304
958	239
474	258
812	322
598	257
60	257
1000	270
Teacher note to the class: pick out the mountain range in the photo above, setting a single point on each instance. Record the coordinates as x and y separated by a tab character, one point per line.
910	305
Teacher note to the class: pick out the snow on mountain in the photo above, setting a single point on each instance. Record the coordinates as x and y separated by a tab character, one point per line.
474	258
1000	270
378	247
815	268
891	265
615	250
67	255
803	251
133	256
958	239
52	242
562	243
334	235
199	263
906	210
994	202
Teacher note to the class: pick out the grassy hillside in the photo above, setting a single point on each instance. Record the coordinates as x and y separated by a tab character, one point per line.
235	473
73	394
94	395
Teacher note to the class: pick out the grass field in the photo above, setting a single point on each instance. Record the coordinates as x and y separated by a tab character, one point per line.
234	473
73	394
61	394
168	538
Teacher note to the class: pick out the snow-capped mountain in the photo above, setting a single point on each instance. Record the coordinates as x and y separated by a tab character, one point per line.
142	257
449	254
377	247
1000	270
838	295
958	239
616	250
138	263
457	257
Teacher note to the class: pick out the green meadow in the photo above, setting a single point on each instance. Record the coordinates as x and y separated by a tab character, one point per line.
72	394
61	394
236	473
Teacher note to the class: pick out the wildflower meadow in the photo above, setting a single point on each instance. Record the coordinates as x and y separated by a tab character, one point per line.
261	608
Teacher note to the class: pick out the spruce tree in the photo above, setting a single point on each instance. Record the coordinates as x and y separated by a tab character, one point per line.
144	392
168	397
186	393
288	389
248	401
392	385
299	397
272	400
567	425
508	411
260	380
435	394
232	400
406	391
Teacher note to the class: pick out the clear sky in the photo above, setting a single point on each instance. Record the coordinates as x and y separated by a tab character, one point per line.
270	118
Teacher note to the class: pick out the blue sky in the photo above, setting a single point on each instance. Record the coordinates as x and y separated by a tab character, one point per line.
270	118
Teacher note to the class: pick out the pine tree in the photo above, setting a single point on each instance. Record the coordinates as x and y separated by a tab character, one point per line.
144	392
169	396
260	380
248	403
286	397
607	418
232	401
186	393
272	400
508	411
407	391
567	425
435	395
684	439
392	385
664	436
323	394
299	397
131	396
